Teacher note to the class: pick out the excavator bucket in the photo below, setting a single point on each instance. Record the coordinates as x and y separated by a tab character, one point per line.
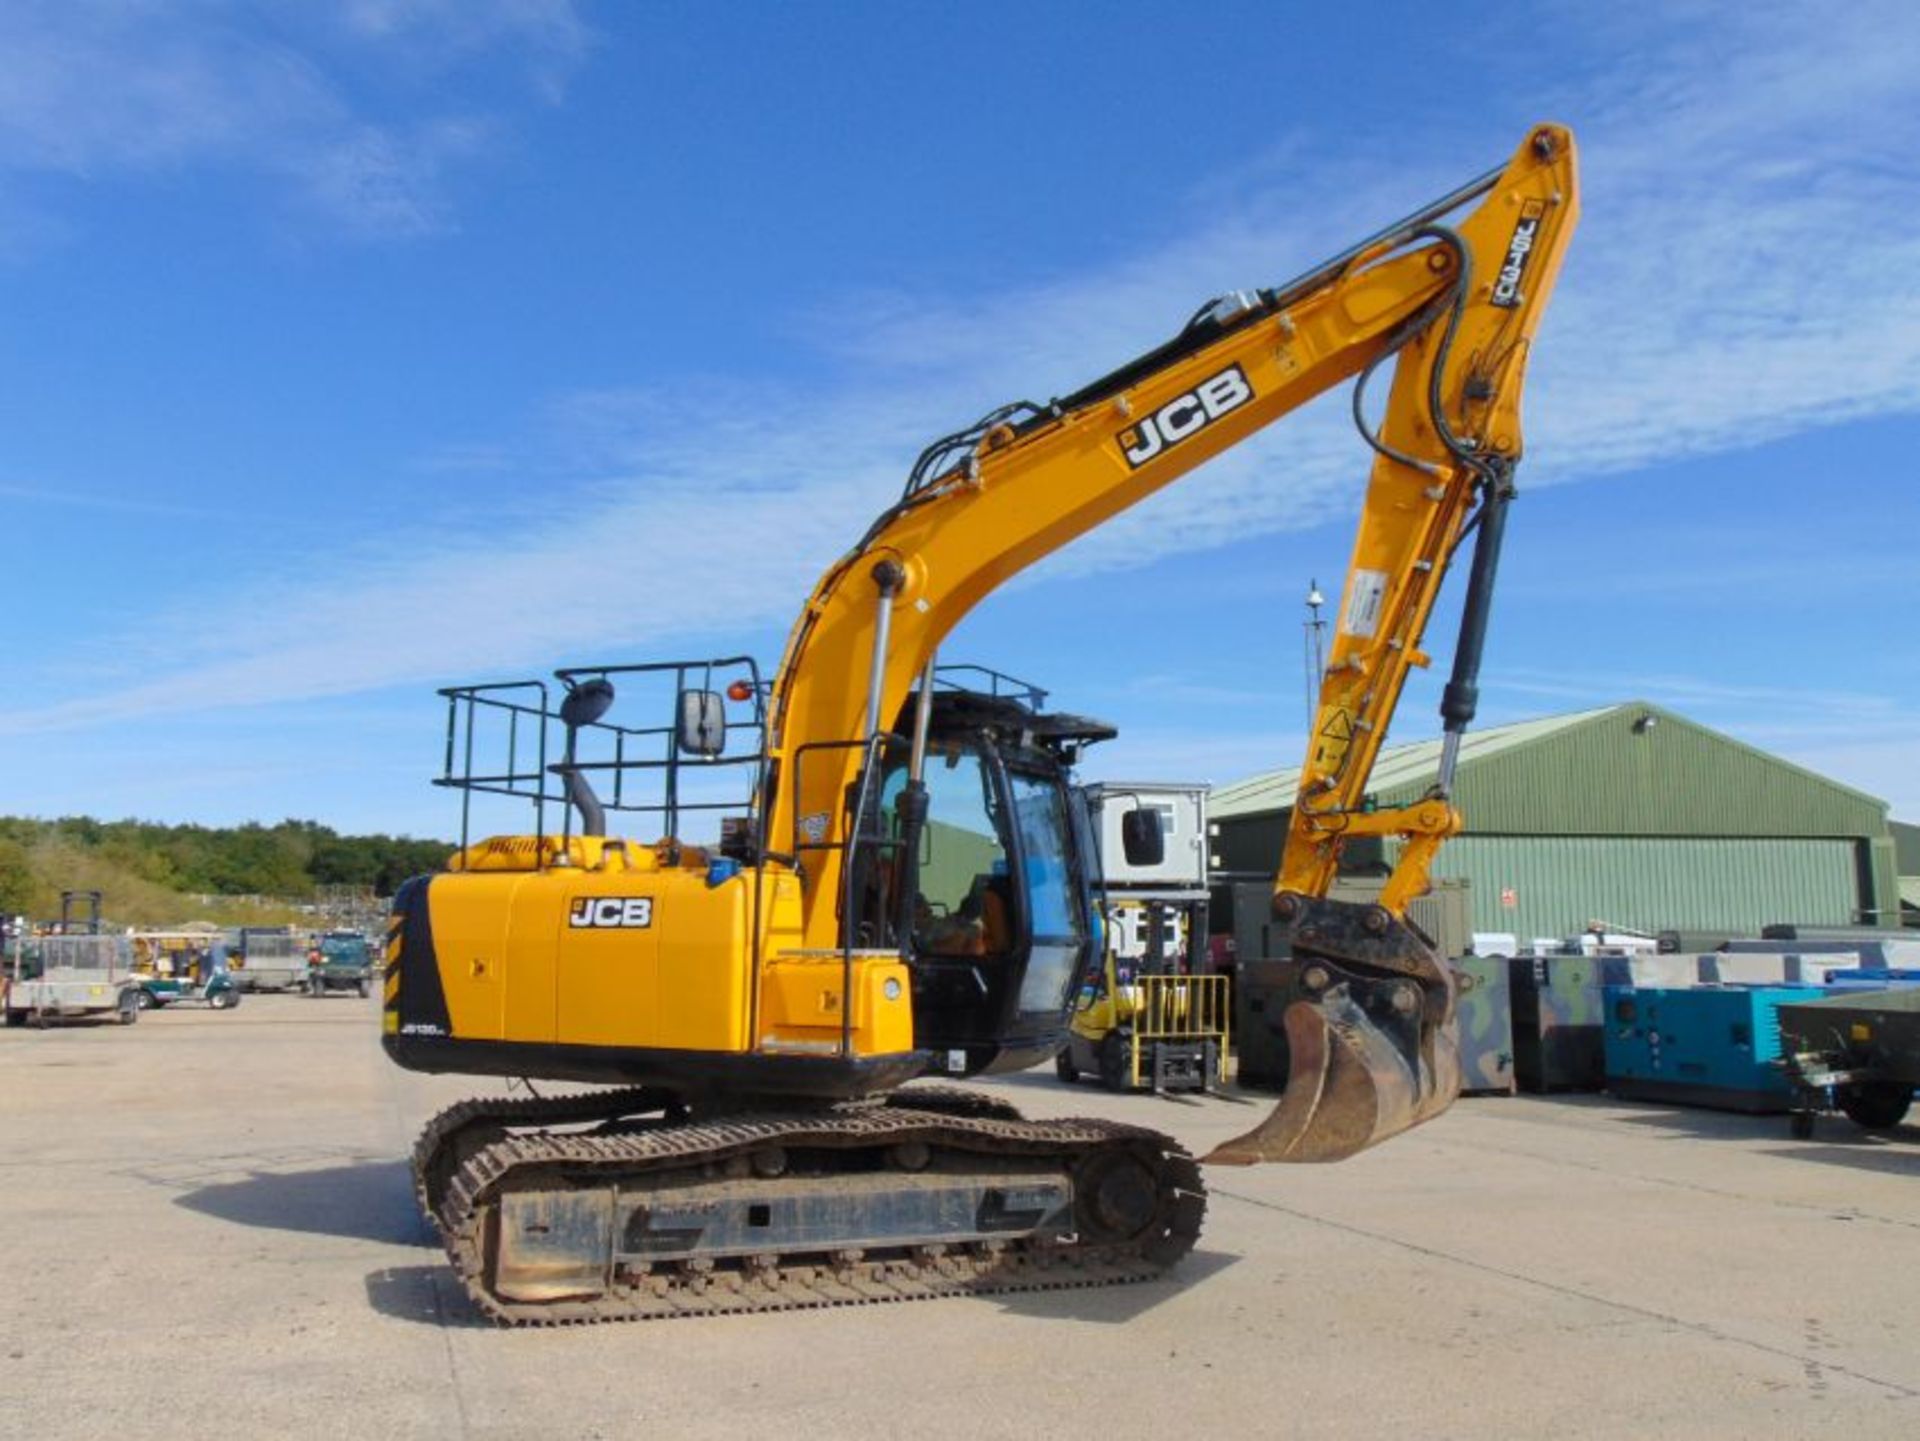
1372	1044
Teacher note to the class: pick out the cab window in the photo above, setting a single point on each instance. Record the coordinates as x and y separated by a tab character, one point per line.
965	903
1053	892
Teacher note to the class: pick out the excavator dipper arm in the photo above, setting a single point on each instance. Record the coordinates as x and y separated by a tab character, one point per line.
1452	301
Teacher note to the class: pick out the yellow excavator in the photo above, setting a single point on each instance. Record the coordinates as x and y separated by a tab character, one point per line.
900	889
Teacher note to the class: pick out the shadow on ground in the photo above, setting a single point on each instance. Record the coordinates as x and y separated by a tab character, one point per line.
1116	1305
1039	1080
430	1296
367	1201
1836	1141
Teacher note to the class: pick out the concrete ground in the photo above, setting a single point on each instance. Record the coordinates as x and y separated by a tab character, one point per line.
210	1233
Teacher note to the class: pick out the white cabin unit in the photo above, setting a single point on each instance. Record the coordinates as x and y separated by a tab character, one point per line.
1182	808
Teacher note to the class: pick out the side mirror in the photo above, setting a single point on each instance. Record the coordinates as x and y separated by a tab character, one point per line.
1141	839
703	722
586	703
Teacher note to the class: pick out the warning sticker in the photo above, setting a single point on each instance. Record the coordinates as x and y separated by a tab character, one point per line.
1362	616
1334	738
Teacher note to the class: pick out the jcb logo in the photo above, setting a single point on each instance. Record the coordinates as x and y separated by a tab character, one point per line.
1506	285
1185	415
631	913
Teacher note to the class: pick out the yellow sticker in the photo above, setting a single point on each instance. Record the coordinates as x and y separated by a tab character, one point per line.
1333	740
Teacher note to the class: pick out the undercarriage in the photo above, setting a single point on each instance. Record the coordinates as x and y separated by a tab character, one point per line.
621	1205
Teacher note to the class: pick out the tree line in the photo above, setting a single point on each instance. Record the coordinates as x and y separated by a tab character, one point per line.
292	858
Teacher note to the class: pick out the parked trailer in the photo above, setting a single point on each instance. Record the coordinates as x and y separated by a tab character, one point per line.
264	959
71	977
1857	1052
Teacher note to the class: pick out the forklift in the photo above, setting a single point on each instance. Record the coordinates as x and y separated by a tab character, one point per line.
1148	1017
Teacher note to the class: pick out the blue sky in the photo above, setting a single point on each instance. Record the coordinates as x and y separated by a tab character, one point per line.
351	350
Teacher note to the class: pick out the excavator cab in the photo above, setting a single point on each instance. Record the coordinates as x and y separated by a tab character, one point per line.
987	891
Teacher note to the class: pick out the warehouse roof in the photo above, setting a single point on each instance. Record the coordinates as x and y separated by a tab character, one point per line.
1396	766
1728	785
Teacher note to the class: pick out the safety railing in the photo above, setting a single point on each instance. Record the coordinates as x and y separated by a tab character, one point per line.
507	739
984	680
520	708
108	955
642	753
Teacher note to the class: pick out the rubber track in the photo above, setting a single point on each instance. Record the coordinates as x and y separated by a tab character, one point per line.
505	1112
509	1112
773	1285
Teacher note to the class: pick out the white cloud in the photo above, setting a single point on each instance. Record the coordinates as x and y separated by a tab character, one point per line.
92	88
1731	282
548	35
1746	192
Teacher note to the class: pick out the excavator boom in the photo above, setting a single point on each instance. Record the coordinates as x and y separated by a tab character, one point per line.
1453	304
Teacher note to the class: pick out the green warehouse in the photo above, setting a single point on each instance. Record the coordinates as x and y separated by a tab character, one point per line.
1906	847
1629	816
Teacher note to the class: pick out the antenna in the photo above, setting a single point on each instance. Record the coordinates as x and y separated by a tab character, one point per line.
1315	650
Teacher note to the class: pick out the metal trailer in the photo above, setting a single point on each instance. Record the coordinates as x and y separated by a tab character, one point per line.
1857	1052
69	977
268	959
1876	949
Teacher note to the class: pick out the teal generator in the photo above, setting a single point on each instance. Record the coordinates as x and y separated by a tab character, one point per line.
1716	1046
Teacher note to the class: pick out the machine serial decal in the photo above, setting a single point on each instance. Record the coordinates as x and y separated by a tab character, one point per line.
1185	415
1526	230
617	913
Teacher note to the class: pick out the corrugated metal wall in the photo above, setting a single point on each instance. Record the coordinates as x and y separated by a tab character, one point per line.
1562	883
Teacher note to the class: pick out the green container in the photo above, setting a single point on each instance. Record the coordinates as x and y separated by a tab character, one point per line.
1262	991
1558	1012
1485	1015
